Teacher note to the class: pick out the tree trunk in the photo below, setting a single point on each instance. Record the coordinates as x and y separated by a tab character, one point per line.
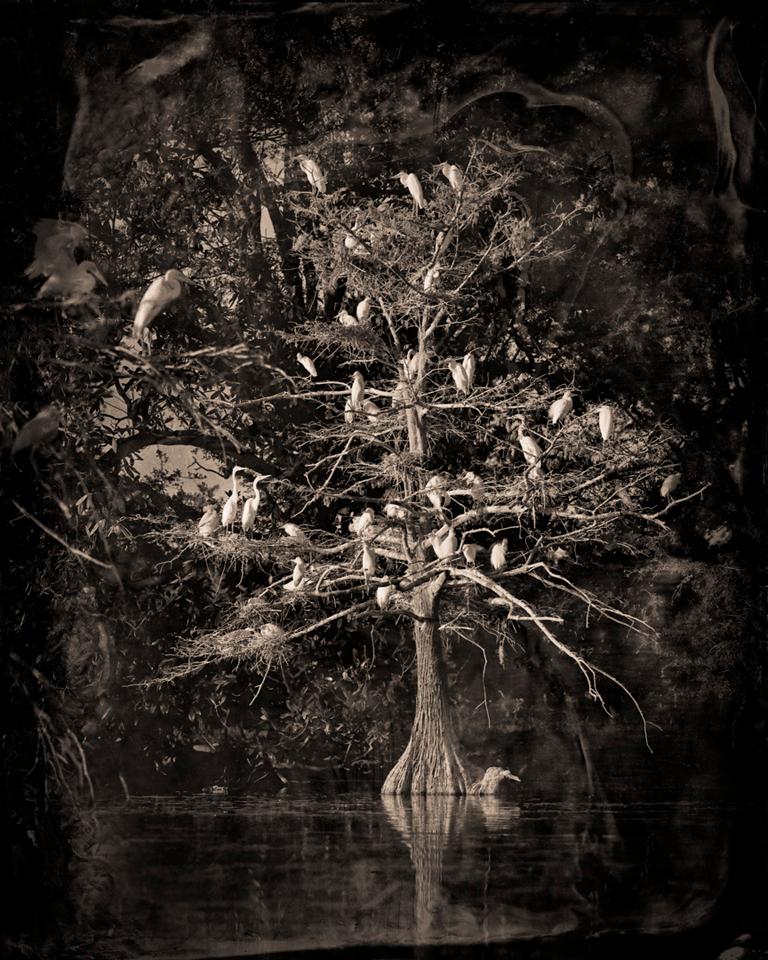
430	762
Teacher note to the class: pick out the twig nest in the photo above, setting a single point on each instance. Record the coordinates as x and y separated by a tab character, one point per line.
494	781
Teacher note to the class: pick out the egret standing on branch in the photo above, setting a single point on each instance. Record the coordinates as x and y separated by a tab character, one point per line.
383	596
294	531
605	418
411	182
453	175
298	575
499	554
470	552
459	377
229	513
369	561
560	409
434	484
251	506
363	310
158	295
469	364
308	363
313	172
357	391
531	449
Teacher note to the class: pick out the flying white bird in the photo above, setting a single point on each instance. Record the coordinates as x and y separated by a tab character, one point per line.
349	413
357	390
42	428
312	172
251	506
560	409
499	554
434	484
369	560
346	319
470	552
605	418
671	484
308	363
411	182
470	365
298	575
452	174
295	532
158	295
208	524
430	278
363	309
371	410
229	513
384	595
531	449
459	377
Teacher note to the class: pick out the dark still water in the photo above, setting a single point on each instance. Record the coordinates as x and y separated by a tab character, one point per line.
216	876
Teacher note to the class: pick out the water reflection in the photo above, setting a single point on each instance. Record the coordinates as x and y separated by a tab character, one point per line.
207	876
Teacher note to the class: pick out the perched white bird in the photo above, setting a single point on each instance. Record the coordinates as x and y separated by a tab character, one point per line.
475	484
357	390
605	418
384	595
158	295
470	552
671	484
470	365
369	560
560	409
394	512
371	410
452	174
55	246
434	484
42	428
312	172
412	362
295	532
531	449
229	513
251	506
360	523
349	413
499	554
430	278
411	182
208	524
298	575
346	319
308	363
73	282
363	309
459	377
447	545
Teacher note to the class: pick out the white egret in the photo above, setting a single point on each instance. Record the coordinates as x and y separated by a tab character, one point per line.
251	506
561	407
371	410
470	365
298	575
229	513
360	523
412	362
452	174
346	319
430	278
55	246
208	524
434	484
531	449
470	552
363	310
308	363
369	560
42	428
671	484
413	185
384	595
394	512
447	545
349	413
605	418
312	172
357	390
295	532
73	282
158	295
459	377
499	554
476	485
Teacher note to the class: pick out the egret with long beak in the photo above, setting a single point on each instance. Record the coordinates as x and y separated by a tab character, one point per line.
251	506
459	377
312	172
446	546
229	513
452	174
531	449
499	554
605	420
561	407
157	297
413	185
357	391
308	363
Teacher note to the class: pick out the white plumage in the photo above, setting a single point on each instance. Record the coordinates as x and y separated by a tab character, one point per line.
470	552
434	484
363	309
671	484
295	532
470	365
605	419
394	512
308	363
251	506
158	295
229	513
349	413
298	575
383	596
346	319
499	554
453	175
369	560
313	173
430	278
371	410
413	185
208	524
531	449
459	377
360	523
447	545
560	409
73	282
357	393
